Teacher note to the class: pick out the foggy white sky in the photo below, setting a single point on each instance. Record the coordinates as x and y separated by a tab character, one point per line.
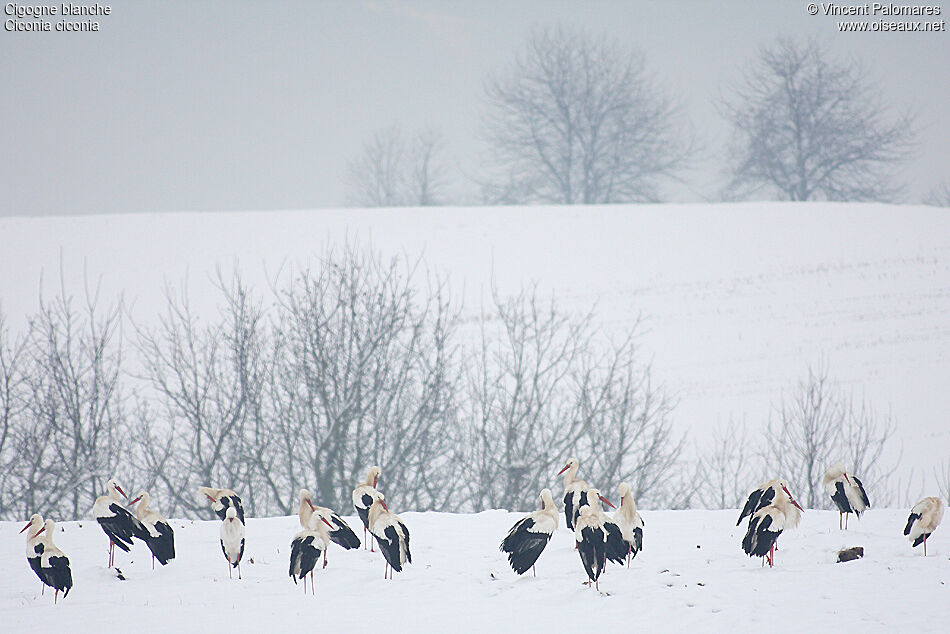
243	105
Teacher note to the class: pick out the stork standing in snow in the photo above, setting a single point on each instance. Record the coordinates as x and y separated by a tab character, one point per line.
767	524
591	536
391	534
363	499
629	521
232	540
847	491
528	537
34	550
52	566
305	550
154	530
575	491
221	499
340	532
923	520
117	523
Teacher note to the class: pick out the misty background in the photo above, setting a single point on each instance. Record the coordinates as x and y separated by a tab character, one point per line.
242	106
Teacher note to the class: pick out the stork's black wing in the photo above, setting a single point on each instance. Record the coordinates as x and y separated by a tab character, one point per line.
591	549
303	557
569	509
758	540
120	527
342	534
910	522
864	494
751	505
523	545
162	546
389	544
616	548
58	575
840	498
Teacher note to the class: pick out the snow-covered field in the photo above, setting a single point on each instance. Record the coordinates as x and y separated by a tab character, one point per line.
691	576
736	301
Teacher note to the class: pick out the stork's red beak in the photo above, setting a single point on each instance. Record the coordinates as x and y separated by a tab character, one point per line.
119	489
28	524
848	479
311	505
607	502
326	522
135	500
210	499
798	505
375	481
566	467
383	502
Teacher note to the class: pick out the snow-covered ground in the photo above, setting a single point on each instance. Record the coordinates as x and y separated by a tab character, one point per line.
736	301
691	576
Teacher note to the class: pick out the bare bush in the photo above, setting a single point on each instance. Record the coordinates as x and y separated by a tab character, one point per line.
538	392
730	469
819	426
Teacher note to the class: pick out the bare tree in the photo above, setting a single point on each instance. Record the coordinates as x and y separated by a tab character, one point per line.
538	392
939	196
579	120
808	127
819	426
393	171
730	470
13	402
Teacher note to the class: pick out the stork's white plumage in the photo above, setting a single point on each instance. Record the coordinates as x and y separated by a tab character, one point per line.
33	529
847	491
116	521
767	524
340	532
154	530
591	535
628	519
924	519
54	570
221	499
232	540
363	499
527	538
575	491
305	551
391	534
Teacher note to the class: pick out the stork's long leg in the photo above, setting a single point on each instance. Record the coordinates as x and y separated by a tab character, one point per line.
55	596
925	546
535	572
239	571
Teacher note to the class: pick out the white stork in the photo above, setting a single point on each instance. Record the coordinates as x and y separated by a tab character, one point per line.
154	530
631	524
232	540
34	550
363	499
528	537
391	534
591	535
847	491
924	519
767	524
117	523
762	496
340	533
574	492
305	550
221	499
53	565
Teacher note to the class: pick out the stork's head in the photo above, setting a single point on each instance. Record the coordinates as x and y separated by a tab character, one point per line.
594	498
372	476
790	498
547	500
305	498
36	522
623	490
143	496
381	499
572	465
115	489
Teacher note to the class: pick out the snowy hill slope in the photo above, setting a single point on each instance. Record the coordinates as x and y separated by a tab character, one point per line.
691	576
736	301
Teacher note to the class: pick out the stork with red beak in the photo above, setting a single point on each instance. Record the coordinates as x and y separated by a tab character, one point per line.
924	519
154	530
305	551
340	532
363	499
767	524
54	565
117	523
847	491
527	538
575	491
762	496
391	534
34	550
591	535
221	499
